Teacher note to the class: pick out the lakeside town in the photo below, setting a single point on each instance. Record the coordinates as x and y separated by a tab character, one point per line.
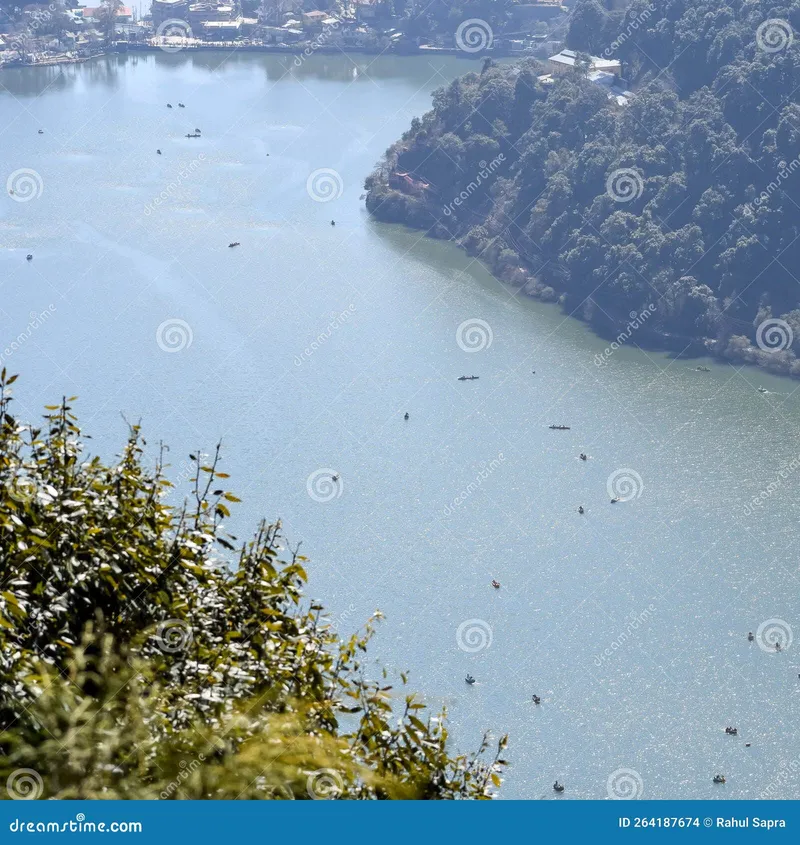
63	31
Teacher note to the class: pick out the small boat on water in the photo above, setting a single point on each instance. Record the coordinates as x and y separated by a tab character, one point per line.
615	500
468	378
732	731
581	510
762	390
181	106
235	243
558	787
536	700
192	134
158	151
496	585
169	105
719	778
41	131
703	369
197	130
559	427
750	639
470	680
583	456
29	257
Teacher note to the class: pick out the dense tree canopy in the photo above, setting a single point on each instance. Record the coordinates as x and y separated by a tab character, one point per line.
145	653
683	198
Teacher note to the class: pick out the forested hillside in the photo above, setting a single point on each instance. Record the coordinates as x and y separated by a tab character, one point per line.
683	198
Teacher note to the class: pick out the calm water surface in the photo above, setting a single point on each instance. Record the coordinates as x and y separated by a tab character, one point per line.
310	342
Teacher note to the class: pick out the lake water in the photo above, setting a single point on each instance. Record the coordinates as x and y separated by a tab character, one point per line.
309	342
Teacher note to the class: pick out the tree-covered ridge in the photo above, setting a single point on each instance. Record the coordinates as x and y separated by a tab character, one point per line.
145	653
683	198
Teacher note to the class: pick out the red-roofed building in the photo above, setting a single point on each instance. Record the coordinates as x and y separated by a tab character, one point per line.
124	14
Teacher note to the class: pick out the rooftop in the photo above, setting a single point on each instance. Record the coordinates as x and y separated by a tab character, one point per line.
569	57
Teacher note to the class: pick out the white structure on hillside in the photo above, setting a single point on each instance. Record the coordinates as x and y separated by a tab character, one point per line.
566	60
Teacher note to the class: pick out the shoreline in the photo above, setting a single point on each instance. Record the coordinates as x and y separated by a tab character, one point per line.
276	49
680	347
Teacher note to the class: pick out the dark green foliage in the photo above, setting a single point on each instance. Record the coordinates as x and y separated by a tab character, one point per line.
145	653
710	148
